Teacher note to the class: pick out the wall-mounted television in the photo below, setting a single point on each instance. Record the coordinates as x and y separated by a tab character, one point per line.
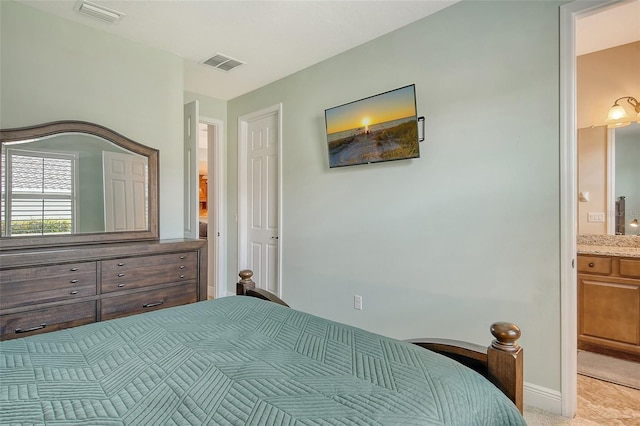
378	128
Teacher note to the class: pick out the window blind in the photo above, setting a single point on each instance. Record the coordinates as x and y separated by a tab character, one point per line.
40	193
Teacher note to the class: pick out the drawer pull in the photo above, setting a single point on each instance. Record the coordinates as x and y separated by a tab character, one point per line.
121	285
38	327
182	276
151	305
73	281
73	269
182	257
182	266
74	292
121	274
591	264
120	264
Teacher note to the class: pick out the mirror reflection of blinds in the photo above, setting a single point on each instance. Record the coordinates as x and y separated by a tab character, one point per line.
40	193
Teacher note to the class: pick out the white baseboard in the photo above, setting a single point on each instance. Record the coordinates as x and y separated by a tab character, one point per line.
543	398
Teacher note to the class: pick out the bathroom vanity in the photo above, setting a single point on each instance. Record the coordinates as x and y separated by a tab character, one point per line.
609	300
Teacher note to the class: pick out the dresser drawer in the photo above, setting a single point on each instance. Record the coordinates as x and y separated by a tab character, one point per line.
150	300
630	268
49	319
144	271
594	265
23	286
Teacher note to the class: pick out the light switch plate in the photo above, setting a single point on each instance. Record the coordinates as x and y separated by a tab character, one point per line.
595	217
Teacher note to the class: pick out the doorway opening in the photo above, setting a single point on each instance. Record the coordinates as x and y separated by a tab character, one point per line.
211	201
571	13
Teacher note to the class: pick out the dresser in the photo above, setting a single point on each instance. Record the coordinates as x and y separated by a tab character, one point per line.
609	305
48	289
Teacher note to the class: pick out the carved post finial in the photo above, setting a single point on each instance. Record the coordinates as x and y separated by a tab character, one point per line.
245	283
246	274
506	334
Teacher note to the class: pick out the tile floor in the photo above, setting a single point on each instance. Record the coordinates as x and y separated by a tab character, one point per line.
604	403
599	404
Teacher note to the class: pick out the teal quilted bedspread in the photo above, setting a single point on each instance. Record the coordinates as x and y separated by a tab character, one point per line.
237	361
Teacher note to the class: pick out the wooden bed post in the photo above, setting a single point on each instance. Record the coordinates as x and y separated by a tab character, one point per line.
246	287
505	362
245	283
501	362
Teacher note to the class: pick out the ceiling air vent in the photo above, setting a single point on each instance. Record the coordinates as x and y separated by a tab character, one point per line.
223	62
99	12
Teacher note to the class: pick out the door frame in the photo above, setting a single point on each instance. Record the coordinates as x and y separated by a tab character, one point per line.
190	169
568	199
216	208
243	220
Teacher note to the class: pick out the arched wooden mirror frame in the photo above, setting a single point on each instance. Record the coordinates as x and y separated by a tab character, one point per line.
58	127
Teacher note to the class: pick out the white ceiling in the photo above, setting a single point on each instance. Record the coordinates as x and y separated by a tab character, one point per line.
278	38
273	38
613	26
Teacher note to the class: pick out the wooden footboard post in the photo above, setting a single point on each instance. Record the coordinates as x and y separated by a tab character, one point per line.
501	362
505	362
245	283
247	287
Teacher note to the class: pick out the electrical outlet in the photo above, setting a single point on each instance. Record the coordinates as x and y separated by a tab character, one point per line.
357	302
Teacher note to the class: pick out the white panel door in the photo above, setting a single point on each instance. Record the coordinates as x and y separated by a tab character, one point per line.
262	201
191	186
125	186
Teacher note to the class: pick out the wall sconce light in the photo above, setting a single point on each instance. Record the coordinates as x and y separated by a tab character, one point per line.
618	117
634	223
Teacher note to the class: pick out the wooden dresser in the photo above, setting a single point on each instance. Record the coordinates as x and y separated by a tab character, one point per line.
609	305
49	289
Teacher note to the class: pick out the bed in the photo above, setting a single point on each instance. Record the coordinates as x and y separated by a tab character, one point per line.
239	361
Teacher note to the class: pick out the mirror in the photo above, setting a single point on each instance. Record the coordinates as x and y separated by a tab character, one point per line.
608	169
75	182
627	178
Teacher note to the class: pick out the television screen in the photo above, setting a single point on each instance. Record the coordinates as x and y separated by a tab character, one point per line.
379	128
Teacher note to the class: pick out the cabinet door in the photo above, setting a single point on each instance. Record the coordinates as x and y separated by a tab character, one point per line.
609	310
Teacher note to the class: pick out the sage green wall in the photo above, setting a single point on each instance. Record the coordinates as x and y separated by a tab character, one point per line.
209	107
54	69
446	244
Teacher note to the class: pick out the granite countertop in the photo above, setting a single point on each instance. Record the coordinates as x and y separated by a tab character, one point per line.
609	250
609	245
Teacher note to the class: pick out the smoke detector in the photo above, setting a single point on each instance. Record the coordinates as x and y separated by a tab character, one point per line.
223	62
99	12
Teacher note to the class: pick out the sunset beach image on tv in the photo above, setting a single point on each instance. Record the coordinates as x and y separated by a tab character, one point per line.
374	129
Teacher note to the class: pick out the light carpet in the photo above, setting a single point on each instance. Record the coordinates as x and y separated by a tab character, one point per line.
618	371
